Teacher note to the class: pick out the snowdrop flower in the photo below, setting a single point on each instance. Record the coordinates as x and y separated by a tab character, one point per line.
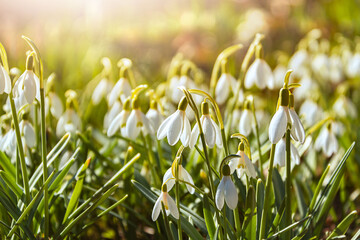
321	65
311	112
119	122
28	133
225	85
101	90
336	69
27	87
154	115
299	62
68	122
5	82
279	73
353	66
297	129
176	126
211	130
137	121
183	81
169	178
278	123
259	74
326	141
54	104
226	190
114	110
122	88
242	164
9	142
246	120
169	204
344	107
280	154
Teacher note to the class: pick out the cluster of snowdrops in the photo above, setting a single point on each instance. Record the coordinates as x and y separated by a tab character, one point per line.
238	137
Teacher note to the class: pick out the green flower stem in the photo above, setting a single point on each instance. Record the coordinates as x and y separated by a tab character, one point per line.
202	137
224	216
43	159
160	155
36	125
212	188
20	149
166	223
267	199
287	234
258	140
147	144
237	221
177	195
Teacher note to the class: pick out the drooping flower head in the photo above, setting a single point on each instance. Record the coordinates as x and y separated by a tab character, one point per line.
119	122
176	126
27	87
154	115
69	120
226	190
169	176
326	141
278	123
137	121
169	204
259	74
243	164
211	130
280	154
246	120
225	85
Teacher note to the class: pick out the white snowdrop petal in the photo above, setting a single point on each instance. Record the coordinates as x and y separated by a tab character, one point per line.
250	77
186	132
172	207
162	131
132	130
219	142
249	167
2	79
209	132
231	196
157	208
245	123
280	154
219	197
320	140
115	124
175	128
233	163
297	127
169	183
333	143
222	89
194	136
56	105
186	177
146	123
294	154
155	118
29	87
278	125
29	135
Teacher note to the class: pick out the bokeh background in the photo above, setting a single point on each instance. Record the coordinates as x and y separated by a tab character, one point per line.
74	35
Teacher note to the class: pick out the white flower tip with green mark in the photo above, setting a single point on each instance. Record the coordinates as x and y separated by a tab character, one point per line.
169	204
